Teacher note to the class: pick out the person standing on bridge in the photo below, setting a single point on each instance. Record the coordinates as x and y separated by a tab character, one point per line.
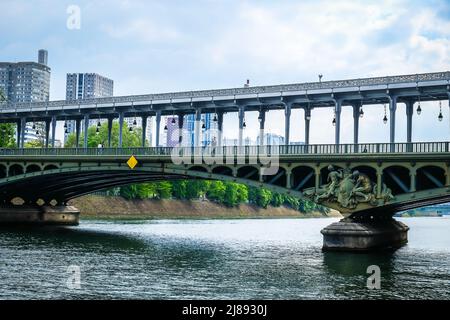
100	147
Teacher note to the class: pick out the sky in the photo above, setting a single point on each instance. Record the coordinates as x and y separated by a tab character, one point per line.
173	45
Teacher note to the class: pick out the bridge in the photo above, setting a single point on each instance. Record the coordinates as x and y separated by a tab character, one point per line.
367	183
410	90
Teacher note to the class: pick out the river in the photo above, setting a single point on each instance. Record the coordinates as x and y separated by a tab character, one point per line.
217	259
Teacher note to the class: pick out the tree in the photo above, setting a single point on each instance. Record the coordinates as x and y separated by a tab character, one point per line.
260	196
179	189
235	194
164	189
216	191
129	138
7	130
34	144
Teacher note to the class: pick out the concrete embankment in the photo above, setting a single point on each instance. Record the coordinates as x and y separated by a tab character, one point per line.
93	206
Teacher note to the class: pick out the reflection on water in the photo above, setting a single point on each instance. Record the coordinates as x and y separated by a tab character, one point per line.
222	259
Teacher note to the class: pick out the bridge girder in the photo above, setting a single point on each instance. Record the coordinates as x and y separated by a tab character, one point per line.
71	179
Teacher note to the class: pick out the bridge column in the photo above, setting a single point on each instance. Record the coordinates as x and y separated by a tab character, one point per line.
198	128
338	108
110	124
77	132
220	128
412	175
23	124
287	122
379	182
356	116
392	110
53	131
180	129
86	127
158	127
317	178
307	121
241	114
47	133
262	121
18	132
288	179
121	120
144	129
409	115
447	175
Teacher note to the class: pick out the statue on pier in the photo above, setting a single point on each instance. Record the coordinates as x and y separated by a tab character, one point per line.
349	189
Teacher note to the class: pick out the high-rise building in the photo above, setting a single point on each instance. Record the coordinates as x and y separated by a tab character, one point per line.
209	130
85	86
27	82
271	139
88	85
171	131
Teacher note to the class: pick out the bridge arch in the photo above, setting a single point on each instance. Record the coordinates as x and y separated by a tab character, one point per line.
33	168
3	171
50	167
248	172
16	169
397	178
369	171
430	177
198	169
222	170
277	179
303	177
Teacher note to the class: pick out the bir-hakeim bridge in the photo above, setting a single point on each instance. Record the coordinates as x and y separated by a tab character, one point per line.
367	183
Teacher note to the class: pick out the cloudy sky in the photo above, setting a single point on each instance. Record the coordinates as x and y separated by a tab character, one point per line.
159	46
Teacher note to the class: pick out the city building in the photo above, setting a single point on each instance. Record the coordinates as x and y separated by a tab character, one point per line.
171	134
27	82
271	139
85	86
209	129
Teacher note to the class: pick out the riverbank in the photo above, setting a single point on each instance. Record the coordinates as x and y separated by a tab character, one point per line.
118	208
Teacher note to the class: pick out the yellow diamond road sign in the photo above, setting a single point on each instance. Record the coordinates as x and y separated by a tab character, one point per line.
132	162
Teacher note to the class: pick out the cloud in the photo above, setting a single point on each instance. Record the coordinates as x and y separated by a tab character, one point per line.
141	30
151	46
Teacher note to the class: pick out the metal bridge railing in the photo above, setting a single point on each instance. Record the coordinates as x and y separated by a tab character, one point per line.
331	149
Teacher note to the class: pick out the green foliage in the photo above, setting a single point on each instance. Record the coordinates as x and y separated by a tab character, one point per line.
228	193
7	130
35	144
216	191
179	188
277	200
163	189
7	135
260	196
234	194
129	139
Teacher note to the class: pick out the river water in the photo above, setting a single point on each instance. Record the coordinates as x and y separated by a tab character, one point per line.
216	259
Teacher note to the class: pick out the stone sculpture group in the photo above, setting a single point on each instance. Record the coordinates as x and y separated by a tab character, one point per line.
349	189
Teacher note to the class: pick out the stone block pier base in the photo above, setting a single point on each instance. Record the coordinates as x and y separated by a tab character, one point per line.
35	215
347	235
